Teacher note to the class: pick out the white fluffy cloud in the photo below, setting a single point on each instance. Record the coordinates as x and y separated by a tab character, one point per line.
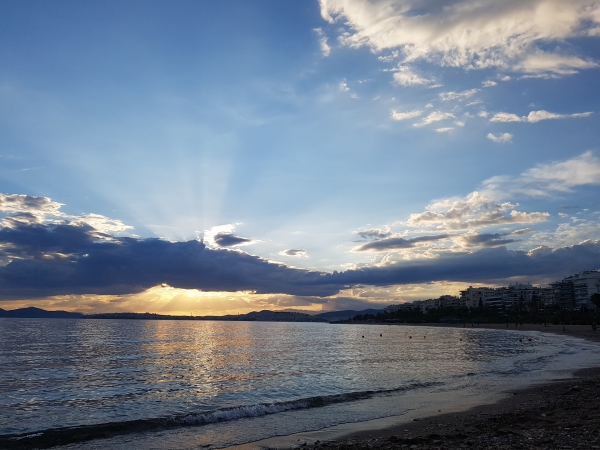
536	116
500	138
476	210
405	115
17	203
445	96
462	33
405	76
325	48
435	116
26	209
546	180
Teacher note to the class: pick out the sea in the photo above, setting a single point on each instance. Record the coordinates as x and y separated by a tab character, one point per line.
216	384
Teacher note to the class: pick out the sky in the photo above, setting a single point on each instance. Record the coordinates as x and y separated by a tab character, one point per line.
227	156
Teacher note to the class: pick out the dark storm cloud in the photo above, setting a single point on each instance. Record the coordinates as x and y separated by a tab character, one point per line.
44	260
484	240
485	265
374	233
230	240
395	243
294	252
69	259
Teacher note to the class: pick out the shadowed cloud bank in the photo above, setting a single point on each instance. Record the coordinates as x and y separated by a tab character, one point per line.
56	259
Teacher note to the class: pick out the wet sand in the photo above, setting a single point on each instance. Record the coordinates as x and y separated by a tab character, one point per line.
560	415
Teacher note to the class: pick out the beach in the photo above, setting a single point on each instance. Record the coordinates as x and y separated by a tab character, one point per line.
558	415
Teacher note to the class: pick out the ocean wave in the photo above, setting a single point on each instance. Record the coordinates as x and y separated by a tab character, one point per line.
63	436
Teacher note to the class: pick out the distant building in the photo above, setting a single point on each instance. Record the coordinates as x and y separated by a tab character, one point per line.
451	301
521	296
476	297
585	284
572	293
563	294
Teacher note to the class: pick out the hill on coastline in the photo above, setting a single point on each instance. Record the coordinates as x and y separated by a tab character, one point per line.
38	313
255	316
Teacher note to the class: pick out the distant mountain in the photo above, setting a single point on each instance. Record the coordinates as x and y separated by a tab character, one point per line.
279	316
37	313
255	316
334	316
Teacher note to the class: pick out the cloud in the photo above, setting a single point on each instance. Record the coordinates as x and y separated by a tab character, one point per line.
486	266
501	138
445	96
324	46
344	86
294	252
230	240
444	130
487	206
472	35
224	236
405	76
475	239
374	233
405	115
44	260
26	209
540	62
476	210
547	179
435	116
395	243
520	232
489	83
506	117
482	114
536	116
36	206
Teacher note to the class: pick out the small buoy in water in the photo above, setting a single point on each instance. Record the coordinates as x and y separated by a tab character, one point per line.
381	335
461	339
363	337
529	339
423	337
520	340
410	337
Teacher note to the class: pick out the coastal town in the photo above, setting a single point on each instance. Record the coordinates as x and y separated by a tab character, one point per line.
572	293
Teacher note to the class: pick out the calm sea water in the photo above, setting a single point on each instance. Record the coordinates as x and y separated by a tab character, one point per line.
186	384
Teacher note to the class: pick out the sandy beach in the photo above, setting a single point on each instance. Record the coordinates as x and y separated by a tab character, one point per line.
559	415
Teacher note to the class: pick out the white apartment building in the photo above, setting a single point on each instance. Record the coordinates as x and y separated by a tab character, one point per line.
521	295
476	297
450	301
585	284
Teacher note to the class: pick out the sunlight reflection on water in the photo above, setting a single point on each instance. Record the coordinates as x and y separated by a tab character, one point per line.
57	373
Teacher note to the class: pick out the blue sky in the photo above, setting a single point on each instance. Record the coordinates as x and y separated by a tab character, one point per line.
361	137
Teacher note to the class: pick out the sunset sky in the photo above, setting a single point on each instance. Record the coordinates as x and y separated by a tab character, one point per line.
226	156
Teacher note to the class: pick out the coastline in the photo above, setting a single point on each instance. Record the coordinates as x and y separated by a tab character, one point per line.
558	414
